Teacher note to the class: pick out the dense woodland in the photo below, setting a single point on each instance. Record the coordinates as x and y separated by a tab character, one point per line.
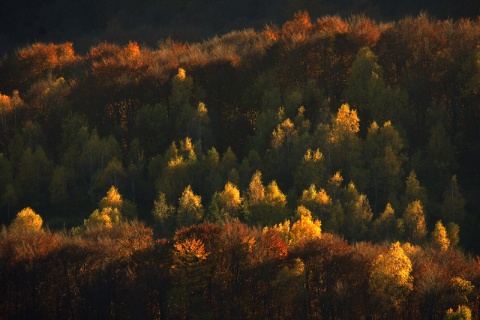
319	169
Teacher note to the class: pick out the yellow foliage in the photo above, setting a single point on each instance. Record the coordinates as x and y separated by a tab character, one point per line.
439	236
202	109
256	190
230	197
274	196
106	218
313	156
113	199
182	74
345	123
305	228
391	280
98	219
336	180
27	220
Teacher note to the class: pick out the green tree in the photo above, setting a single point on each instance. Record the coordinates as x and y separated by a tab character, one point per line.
318	202
342	145
384	156
413	190
59	185
453	206
34	172
384	227
368	93
311	170
153	127
358	214
453	231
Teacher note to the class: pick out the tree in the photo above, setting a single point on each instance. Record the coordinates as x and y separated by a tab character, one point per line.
413	190
256	189
35	170
440	237
112	199
384	154
391	281
358	214
311	170
27	220
153	128
319	203
162	211
414	219
462	313
384	227
453	206
59	185
190	208
190	274
342	144
306	228
365	86
112	210
229	201
453	231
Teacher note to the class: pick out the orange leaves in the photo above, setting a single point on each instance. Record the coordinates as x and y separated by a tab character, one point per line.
364	31
111	63
331	25
45	57
297	29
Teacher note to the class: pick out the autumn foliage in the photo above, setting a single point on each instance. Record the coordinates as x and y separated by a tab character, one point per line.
320	169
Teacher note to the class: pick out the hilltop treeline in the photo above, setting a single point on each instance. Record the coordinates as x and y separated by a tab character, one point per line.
89	21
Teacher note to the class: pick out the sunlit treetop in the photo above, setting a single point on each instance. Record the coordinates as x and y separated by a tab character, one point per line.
27	220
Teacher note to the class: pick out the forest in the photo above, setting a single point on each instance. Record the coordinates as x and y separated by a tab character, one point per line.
322	168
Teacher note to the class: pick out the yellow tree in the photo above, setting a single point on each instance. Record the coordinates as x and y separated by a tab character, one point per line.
440	237
256	189
318	202
109	212
305	228
229	201
414	220
390	281
190	208
343	146
27	220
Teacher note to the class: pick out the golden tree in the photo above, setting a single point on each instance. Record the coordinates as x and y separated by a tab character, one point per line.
27	220
391	279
